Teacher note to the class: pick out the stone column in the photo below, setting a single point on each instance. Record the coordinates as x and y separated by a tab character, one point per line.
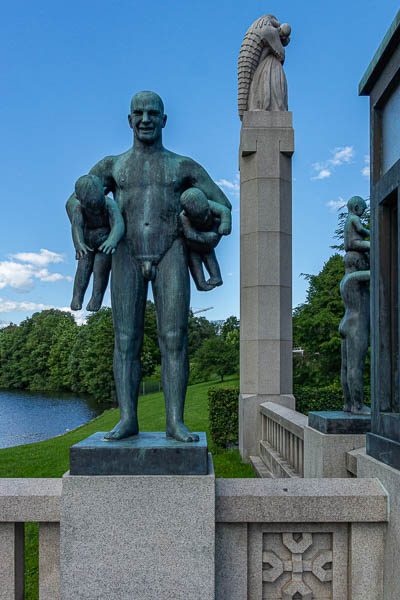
266	148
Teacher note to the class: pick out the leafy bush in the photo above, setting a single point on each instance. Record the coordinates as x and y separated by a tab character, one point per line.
223	408
324	398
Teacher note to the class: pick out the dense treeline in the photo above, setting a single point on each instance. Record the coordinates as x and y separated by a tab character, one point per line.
316	323
50	352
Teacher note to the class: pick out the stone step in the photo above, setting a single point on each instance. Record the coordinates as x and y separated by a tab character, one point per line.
274	462
259	468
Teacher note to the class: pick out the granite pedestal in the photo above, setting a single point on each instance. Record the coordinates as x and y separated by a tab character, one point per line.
137	536
149	453
338	421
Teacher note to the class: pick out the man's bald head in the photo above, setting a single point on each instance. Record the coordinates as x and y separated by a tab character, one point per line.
144	97
147	119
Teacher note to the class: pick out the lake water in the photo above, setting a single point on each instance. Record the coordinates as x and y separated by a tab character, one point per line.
27	417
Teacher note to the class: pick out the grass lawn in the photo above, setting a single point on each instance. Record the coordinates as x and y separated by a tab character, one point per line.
50	458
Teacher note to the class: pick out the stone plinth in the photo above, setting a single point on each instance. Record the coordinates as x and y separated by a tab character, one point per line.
338	421
149	453
325	454
389	477
266	147
140	536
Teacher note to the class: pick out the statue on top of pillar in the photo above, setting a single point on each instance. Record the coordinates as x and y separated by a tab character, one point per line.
262	81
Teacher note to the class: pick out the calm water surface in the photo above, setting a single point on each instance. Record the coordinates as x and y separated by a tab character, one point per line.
27	417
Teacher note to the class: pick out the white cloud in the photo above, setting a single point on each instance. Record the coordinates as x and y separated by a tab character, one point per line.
32	265
323	174
231	186
39	259
8	306
365	171
21	276
336	204
341	155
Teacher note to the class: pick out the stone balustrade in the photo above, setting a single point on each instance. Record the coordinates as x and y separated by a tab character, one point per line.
300	538
23	501
284	538
282	441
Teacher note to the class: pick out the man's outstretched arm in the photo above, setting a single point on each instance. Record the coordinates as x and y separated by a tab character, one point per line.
203	181
224	214
207	238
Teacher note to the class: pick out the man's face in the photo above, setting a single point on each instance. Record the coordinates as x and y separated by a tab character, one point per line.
147	118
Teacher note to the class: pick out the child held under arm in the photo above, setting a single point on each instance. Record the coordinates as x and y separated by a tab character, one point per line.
97	227
203	223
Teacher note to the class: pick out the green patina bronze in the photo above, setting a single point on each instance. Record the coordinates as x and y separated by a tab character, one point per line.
355	326
147	182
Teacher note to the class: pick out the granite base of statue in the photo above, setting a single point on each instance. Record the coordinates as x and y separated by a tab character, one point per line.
339	422
138	520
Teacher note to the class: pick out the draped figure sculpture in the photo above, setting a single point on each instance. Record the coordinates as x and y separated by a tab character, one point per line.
262	81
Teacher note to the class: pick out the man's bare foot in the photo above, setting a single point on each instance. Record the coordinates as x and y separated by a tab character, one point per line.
347	407
76	304
94	304
123	430
179	432
361	410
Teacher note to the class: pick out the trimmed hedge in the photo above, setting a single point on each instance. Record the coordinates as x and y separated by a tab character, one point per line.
223	408
326	398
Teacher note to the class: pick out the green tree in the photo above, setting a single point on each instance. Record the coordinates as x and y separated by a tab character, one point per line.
199	330
40	333
12	344
315	327
150	333
97	357
229	326
91	359
76	364
217	356
59	363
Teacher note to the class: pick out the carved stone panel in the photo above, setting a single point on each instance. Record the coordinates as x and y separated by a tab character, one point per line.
298	561
297	565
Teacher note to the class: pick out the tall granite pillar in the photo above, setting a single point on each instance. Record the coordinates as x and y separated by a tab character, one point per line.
266	148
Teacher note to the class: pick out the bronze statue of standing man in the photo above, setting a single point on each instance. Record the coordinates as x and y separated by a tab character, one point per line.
147	182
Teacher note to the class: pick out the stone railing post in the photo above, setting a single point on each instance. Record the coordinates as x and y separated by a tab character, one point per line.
12	561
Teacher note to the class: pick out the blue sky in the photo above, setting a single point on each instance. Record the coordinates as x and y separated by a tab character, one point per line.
70	69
